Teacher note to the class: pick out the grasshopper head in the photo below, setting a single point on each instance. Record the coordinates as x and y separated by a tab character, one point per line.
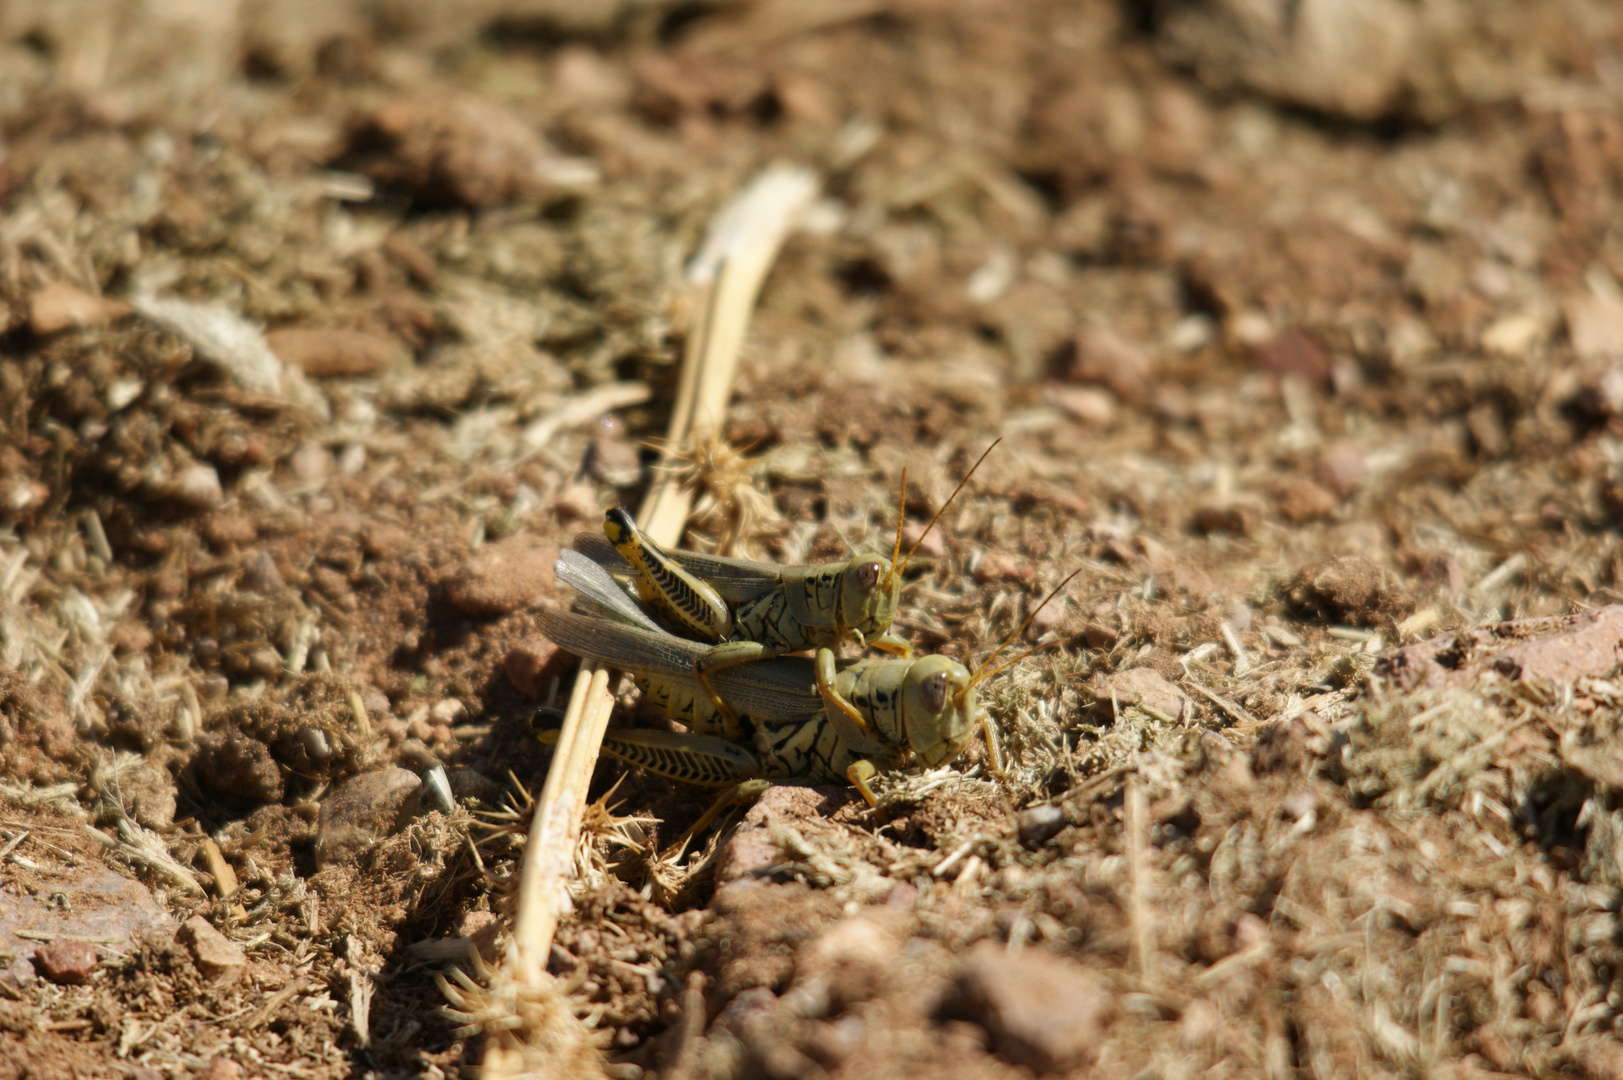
938	709
868	590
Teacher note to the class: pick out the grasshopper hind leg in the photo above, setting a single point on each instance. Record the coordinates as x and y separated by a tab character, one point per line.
741	794
719	658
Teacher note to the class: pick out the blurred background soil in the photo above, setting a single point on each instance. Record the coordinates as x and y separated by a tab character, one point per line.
324	325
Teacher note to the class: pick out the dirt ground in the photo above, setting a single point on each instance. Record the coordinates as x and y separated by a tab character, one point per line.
324	325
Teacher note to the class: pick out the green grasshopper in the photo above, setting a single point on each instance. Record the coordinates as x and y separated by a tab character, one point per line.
749	611
790	725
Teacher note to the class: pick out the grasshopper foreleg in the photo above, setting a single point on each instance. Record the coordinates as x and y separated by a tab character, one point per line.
823	665
893	643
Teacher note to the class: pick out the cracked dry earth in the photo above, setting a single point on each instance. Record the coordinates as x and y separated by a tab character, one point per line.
324	326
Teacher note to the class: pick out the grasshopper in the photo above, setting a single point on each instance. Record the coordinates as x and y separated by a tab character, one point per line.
789	723
748	611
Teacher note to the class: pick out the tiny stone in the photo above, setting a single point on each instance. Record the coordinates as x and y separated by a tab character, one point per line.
448	711
311	463
532	664
363	810
197	486
221	1069
261	576
1343	469
1099	636
1295	353
324	353
934	544
66	962
1038	1010
1038	823
59	306
217	959
1089	404
1114	361
613	461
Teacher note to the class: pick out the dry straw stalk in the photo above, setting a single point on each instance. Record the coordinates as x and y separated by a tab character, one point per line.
725	277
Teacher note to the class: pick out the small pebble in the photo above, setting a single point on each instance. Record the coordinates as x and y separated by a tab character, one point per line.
1038	1010
533	664
261	576
197	486
217	959
311	463
1343	469
1294	352
221	1069
66	962
326	353
60	306
934	544
1038	823
363	810
448	711
1114	361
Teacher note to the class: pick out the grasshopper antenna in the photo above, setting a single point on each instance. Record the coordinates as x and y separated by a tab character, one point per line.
981	673
901	514
897	571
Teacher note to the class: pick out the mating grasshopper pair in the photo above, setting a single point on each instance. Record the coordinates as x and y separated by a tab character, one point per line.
752	712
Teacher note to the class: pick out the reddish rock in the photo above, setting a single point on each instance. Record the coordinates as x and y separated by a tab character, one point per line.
1088	404
60	306
322	353
1300	500
533	664
410	256
216	958
1343	469
749	851
1557	649
66	962
1038	1010
227	530
1106	357
1595	326
1295	353
1140	685
502	577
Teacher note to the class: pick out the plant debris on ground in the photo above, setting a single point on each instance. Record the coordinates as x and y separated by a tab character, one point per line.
323	327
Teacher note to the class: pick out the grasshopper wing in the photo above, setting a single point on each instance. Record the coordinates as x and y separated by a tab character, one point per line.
600	594
737	580
771	690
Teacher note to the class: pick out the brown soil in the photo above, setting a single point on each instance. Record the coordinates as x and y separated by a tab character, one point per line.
1311	359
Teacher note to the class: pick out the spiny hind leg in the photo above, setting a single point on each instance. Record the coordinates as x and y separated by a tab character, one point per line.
741	794
823	665
704	760
719	658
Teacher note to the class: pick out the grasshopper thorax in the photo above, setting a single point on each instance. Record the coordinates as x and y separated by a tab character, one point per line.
938	709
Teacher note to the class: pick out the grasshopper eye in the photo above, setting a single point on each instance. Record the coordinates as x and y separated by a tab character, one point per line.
933	692
867	577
